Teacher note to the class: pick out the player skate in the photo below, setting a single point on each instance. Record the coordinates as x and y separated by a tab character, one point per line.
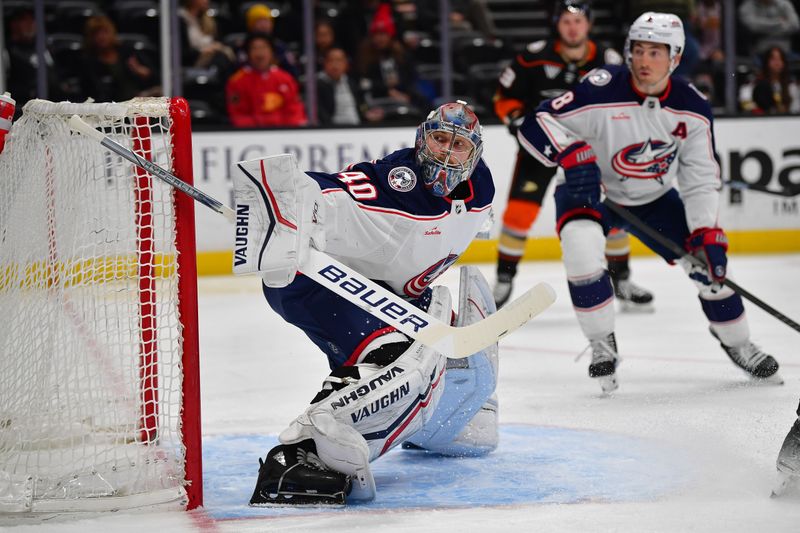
788	463
293	474
502	289
752	360
604	363
632	298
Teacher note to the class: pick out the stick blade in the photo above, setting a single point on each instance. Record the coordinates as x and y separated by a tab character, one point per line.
474	338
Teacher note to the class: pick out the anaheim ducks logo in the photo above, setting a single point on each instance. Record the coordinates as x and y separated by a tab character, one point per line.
645	161
417	285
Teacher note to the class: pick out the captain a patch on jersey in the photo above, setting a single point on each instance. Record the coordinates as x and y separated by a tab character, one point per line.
402	179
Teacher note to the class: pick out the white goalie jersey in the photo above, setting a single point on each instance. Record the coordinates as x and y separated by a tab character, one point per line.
645	145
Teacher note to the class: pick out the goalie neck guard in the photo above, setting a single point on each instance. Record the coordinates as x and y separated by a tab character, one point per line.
448	147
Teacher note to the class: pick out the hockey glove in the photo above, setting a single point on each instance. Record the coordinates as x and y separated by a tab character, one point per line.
581	172
710	244
513	121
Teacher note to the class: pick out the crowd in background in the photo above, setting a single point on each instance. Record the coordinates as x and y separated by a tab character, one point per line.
242	62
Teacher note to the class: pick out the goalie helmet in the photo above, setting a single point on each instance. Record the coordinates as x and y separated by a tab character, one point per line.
448	147
663	28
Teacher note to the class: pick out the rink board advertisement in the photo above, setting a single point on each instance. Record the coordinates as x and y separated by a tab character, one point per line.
760	160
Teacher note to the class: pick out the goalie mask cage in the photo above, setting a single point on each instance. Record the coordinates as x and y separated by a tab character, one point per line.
99	384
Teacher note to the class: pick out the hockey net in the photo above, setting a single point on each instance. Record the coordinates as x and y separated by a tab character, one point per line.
99	397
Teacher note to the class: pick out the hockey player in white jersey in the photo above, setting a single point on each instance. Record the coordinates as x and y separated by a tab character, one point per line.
647	139
402	221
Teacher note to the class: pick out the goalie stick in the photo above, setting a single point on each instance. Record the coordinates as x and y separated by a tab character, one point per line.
673	247
451	341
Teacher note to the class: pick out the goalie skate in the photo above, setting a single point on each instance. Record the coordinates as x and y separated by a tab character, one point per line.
788	464
294	475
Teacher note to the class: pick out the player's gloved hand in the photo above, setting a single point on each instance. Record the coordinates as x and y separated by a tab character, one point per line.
581	172
514	121
711	245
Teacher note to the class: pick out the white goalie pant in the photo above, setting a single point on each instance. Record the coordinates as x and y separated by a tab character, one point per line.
363	420
465	421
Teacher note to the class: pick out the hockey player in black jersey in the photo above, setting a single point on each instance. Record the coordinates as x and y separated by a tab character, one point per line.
546	69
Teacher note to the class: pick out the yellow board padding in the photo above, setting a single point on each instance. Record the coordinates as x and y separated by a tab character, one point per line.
548	249
66	273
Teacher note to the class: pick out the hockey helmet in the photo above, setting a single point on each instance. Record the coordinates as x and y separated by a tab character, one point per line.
571	6
448	147
664	28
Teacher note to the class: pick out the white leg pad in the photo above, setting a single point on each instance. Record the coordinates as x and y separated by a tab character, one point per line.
469	382
480	436
339	446
374	413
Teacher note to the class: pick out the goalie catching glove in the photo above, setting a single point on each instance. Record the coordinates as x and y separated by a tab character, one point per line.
279	212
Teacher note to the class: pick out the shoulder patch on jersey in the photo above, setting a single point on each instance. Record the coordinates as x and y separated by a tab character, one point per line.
599	77
612	57
536	46
402	179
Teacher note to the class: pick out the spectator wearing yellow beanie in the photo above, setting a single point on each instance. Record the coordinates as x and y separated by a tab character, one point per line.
259	19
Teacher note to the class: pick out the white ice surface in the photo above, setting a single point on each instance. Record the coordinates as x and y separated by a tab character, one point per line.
677	388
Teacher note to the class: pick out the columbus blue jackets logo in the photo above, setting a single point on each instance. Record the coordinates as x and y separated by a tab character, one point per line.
645	161
402	179
599	77
417	285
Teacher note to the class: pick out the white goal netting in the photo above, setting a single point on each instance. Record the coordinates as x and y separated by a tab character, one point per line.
90	333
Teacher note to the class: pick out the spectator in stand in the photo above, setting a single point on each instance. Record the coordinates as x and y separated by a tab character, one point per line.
259	19
708	24
384	64
339	99
110	72
261	93
773	91
710	72
22	58
199	44
324	41
354	22
770	23
465	15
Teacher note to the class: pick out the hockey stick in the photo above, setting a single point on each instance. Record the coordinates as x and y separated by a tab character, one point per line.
79	125
673	247
455	342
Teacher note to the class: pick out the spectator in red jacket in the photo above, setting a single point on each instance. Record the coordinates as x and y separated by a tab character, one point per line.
261	93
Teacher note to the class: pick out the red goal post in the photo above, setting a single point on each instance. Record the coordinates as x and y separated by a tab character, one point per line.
99	377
